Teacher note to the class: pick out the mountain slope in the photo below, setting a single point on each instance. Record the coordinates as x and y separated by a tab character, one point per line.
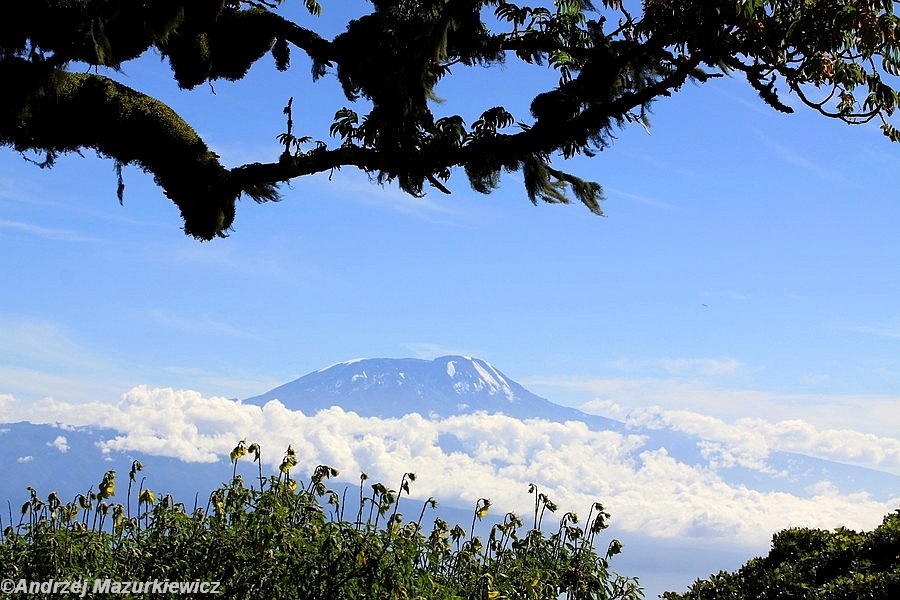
445	386
453	385
71	460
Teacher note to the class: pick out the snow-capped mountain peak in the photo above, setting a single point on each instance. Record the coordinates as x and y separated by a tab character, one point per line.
444	386
473	374
346	362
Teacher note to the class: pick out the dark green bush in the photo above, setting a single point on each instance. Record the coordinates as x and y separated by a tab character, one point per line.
814	564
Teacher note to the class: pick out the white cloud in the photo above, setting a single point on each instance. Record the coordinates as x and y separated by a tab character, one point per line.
25	459
822	410
199	323
888	329
430	351
748	441
843	445
647	491
40	357
607	408
60	443
791	156
705	366
63	235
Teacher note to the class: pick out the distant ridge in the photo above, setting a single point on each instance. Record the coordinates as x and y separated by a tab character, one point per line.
445	386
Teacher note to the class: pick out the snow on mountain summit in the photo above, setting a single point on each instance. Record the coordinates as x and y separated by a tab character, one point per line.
477	375
393	387
346	362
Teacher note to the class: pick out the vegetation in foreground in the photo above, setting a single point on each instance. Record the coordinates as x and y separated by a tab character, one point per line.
281	537
814	564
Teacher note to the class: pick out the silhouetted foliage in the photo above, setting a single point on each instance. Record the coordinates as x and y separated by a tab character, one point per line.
836	56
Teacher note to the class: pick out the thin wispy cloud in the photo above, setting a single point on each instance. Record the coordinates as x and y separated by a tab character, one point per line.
40	357
752	104
430	350
709	367
34	342
615	193
240	152
43	196
888	329
10	189
37	383
736	295
50	233
200	323
274	260
701	395
236	383
792	157
673	167
433	207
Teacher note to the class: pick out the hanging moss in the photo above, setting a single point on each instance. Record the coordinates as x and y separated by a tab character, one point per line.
221	48
189	57
237	40
281	52
162	17
93	31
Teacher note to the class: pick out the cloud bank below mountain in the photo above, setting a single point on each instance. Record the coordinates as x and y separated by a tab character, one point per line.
461	458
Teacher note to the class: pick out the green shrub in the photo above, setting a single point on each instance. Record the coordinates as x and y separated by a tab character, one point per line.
814	564
283	538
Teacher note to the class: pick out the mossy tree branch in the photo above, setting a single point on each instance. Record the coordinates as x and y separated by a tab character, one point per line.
612	65
57	112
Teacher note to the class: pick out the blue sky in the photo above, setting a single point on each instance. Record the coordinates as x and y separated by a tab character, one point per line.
744	282
744	250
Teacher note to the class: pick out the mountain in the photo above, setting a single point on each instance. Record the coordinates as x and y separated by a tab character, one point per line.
67	459
60	457
445	386
453	385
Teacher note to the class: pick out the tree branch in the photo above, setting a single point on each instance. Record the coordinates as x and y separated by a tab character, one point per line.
494	152
58	112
